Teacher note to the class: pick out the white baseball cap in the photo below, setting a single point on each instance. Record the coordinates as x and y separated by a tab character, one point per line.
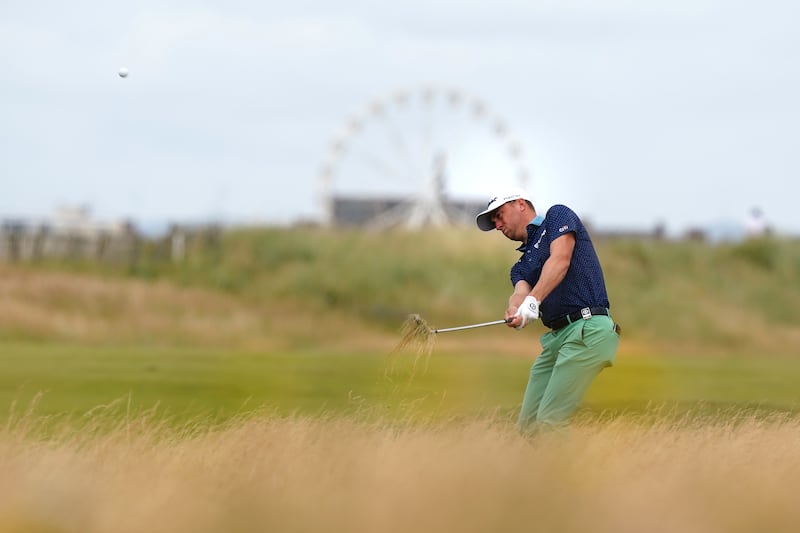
484	218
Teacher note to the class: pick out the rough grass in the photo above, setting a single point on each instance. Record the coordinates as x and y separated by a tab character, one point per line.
305	286
269	473
89	309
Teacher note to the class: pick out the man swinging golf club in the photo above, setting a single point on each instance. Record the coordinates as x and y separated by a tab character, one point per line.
558	279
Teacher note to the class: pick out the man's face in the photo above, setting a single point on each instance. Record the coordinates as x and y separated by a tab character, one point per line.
511	219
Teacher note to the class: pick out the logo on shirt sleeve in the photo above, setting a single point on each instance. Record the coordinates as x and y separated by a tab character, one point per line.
563	228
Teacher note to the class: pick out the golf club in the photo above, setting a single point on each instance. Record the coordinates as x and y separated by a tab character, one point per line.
419	335
457	328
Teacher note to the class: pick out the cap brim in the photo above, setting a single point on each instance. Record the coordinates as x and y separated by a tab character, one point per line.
484	220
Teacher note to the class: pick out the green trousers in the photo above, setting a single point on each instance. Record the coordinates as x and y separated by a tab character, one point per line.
570	360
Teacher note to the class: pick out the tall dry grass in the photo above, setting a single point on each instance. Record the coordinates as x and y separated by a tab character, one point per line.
89	309
269	473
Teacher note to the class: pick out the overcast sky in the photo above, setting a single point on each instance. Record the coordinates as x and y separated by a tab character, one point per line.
632	113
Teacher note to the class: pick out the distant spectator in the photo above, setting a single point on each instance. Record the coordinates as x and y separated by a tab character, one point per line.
755	225
660	230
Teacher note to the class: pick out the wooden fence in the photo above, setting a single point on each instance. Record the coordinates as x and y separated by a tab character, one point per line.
115	244
32	242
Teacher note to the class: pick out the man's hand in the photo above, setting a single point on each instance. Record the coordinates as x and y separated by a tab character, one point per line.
528	311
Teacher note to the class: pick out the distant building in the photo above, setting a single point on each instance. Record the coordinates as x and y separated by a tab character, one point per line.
390	212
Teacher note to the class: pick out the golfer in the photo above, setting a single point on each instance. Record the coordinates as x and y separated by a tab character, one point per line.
558	279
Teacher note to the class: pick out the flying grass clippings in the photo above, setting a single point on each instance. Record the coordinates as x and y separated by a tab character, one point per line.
418	338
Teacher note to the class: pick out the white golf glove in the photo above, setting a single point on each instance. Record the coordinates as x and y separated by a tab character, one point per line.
528	310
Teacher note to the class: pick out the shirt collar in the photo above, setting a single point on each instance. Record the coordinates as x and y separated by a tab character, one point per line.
537	222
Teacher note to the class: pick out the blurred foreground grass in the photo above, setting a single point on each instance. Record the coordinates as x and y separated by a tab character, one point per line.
119	472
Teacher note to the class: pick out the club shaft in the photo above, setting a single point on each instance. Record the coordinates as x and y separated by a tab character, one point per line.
493	323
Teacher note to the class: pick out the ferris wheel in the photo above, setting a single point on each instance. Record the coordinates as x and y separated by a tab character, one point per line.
417	157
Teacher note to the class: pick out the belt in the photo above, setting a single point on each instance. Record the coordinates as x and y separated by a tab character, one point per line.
586	313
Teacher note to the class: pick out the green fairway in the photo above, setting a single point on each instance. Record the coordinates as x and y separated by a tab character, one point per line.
699	384
186	383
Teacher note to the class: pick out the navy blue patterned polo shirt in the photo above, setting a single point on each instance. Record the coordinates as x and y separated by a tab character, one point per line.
583	285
